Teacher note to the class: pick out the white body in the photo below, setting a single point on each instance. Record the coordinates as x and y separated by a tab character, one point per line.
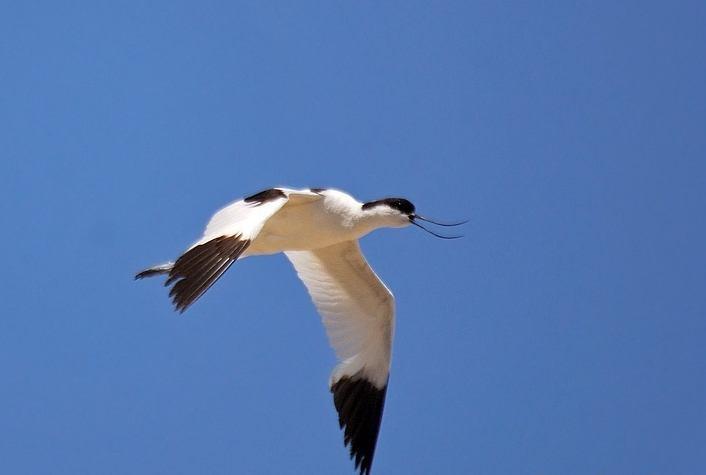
318	232
306	221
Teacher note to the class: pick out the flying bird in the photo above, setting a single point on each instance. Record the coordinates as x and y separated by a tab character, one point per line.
318	230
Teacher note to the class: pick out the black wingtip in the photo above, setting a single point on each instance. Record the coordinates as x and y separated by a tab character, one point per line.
359	405
200	267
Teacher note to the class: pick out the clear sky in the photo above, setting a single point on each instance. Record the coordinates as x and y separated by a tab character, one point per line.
565	334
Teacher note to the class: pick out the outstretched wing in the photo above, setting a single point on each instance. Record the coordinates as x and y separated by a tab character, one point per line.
358	312
227	235
201	266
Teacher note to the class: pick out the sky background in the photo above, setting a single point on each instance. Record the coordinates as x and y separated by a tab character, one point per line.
565	334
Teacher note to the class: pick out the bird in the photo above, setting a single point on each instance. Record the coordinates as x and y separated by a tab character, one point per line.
318	231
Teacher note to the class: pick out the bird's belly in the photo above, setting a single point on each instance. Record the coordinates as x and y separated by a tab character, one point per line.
272	243
300	230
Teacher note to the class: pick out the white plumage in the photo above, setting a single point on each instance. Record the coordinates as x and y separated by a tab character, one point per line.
357	309
318	230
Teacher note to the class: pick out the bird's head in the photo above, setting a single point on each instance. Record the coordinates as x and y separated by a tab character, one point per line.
394	212
400	212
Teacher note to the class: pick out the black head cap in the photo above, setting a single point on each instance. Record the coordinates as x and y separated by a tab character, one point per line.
400	204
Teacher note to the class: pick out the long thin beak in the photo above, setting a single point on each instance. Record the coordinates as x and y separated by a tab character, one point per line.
429	220
441	236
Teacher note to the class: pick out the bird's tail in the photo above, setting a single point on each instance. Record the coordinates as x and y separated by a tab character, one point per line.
155	270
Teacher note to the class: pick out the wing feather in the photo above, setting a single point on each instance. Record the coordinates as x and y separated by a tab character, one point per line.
192	276
357	310
226	237
248	215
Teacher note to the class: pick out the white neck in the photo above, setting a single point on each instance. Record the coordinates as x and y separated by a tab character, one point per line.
360	221
378	217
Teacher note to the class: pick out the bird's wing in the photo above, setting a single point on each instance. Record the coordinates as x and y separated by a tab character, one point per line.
249	215
358	311
227	235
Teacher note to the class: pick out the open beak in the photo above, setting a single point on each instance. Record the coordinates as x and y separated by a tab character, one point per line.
414	217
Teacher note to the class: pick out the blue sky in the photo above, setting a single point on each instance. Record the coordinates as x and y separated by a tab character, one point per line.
564	334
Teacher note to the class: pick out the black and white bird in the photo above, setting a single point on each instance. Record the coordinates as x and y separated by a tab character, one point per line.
318	230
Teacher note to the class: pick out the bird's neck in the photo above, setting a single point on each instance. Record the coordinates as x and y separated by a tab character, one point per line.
359	222
370	220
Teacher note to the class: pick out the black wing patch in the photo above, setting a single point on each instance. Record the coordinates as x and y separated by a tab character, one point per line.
265	196
199	268
359	404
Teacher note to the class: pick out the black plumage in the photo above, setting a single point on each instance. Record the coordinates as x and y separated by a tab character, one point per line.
199	268
402	205
359	404
265	196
